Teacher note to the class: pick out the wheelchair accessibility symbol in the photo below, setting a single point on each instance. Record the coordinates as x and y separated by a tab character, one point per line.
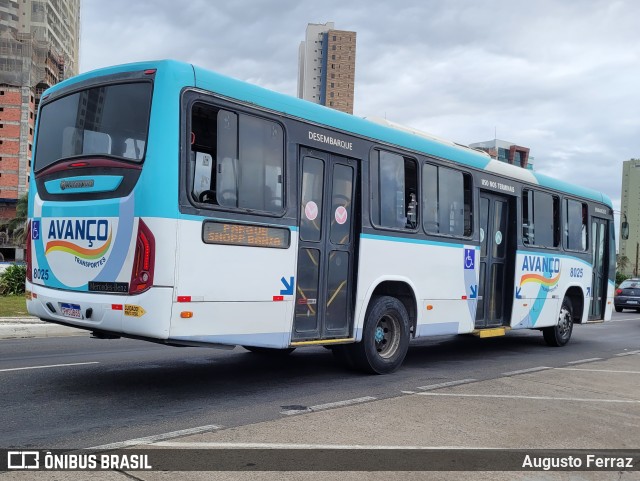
469	258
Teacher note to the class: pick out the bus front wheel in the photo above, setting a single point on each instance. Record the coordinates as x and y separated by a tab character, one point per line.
385	338
560	334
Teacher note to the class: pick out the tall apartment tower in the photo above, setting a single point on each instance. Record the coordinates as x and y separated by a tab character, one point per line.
39	47
327	66
630	207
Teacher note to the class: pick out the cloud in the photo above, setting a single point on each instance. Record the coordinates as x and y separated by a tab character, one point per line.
558	77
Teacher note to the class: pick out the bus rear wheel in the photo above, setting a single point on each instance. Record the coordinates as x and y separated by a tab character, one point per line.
385	338
560	334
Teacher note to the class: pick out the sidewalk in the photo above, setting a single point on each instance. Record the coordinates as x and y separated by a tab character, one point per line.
24	327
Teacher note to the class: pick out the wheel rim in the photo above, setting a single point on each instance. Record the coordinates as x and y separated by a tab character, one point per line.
387	336
564	323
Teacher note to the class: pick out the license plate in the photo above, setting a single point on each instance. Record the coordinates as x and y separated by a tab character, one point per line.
70	310
632	302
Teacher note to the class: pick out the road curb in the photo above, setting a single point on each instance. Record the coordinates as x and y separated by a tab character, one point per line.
20	328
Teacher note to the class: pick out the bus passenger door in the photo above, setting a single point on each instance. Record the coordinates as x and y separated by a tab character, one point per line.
323	308
599	240
496	258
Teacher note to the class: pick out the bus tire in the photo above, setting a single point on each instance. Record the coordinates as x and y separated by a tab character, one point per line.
559	335
270	351
385	337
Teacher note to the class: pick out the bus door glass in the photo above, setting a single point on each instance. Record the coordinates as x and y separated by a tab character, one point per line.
599	252
494	257
323	307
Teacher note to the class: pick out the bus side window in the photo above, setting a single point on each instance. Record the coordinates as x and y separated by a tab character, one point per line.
227	159
397	190
226	188
540	216
528	235
202	165
203	152
446	199
237	160
575	225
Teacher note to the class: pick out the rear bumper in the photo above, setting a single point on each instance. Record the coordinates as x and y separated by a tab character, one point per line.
628	302
144	315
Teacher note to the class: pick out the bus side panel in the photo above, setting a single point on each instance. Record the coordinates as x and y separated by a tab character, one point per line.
439	271
238	294
541	281
608	311
259	324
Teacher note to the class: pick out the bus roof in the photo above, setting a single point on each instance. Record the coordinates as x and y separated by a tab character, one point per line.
191	75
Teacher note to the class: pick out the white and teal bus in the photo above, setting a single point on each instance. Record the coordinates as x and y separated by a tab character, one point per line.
176	205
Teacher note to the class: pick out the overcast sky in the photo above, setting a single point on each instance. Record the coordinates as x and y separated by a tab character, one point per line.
562	78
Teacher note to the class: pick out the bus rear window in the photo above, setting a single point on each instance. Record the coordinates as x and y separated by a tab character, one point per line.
110	120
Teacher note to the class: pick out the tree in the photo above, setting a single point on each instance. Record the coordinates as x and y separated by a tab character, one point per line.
622	262
16	227
620	277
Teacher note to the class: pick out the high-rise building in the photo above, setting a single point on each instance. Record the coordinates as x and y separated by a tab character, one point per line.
327	66
39	47
630	208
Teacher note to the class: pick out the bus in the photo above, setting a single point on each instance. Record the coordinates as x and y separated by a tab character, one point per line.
176	205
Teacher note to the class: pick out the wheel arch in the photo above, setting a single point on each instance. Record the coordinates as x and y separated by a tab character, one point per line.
576	295
398	287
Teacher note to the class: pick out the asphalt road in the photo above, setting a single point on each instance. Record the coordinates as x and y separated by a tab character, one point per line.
79	392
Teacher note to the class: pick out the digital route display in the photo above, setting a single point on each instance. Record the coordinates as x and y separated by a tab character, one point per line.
214	232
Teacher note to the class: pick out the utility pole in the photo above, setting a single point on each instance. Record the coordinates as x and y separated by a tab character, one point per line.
635	271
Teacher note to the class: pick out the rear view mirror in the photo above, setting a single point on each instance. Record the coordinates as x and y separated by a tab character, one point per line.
624	231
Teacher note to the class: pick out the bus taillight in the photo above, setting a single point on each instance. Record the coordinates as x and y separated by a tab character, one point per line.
143	261
28	253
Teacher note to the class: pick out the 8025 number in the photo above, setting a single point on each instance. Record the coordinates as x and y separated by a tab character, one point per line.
41	274
576	272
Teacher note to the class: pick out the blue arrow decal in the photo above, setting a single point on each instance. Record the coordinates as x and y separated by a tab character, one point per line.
518	293
474	291
288	287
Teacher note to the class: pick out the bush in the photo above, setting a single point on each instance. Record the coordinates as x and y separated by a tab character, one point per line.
12	280
620	277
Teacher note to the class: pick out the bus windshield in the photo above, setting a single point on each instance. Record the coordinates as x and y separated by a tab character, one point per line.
108	120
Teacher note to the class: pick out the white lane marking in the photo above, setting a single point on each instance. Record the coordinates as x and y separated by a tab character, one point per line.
408	392
524	371
594	370
585	360
49	366
322	407
630	353
197	445
446	384
156	438
542	398
628	319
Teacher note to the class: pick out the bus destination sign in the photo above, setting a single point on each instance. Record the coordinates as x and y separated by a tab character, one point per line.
214	232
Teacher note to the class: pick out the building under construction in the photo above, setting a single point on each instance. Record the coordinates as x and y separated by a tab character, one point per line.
39	45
